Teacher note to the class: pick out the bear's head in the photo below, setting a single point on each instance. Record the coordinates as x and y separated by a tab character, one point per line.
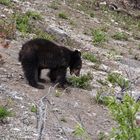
76	63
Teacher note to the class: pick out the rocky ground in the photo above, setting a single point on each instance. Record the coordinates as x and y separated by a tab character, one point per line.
58	116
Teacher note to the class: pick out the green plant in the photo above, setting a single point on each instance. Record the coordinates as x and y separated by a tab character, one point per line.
62	15
23	21
125	115
5	2
120	36
90	57
63	119
101	136
82	81
117	79
100	98
34	15
33	108
98	36
80	132
102	82
92	14
111	54
4	113
42	34
58	93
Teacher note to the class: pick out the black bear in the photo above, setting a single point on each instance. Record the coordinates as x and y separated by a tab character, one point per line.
38	54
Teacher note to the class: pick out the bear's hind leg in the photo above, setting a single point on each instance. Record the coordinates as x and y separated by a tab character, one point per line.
52	74
31	74
61	77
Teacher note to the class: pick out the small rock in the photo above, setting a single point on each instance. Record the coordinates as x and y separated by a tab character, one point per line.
15	1
56	110
3	16
16	129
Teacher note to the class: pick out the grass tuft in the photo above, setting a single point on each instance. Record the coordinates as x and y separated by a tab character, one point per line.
99	37
90	57
4	113
120	36
62	15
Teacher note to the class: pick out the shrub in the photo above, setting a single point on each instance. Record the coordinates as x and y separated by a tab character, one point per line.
23	21
82	81
117	78
125	115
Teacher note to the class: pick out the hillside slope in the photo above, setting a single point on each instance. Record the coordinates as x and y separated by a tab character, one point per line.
114	40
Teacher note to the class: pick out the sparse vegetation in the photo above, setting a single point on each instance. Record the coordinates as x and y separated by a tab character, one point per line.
7	28
63	119
99	37
82	81
42	34
33	109
5	2
80	132
138	24
102	98
81	20
62	15
92	14
125	115
101	136
90	57
102	82
111	54
4	113
23	22
117	79
54	5
58	93
34	15
120	36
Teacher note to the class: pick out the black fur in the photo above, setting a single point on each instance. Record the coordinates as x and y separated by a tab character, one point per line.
38	54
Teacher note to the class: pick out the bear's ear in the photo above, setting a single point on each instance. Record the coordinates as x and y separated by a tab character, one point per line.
76	52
